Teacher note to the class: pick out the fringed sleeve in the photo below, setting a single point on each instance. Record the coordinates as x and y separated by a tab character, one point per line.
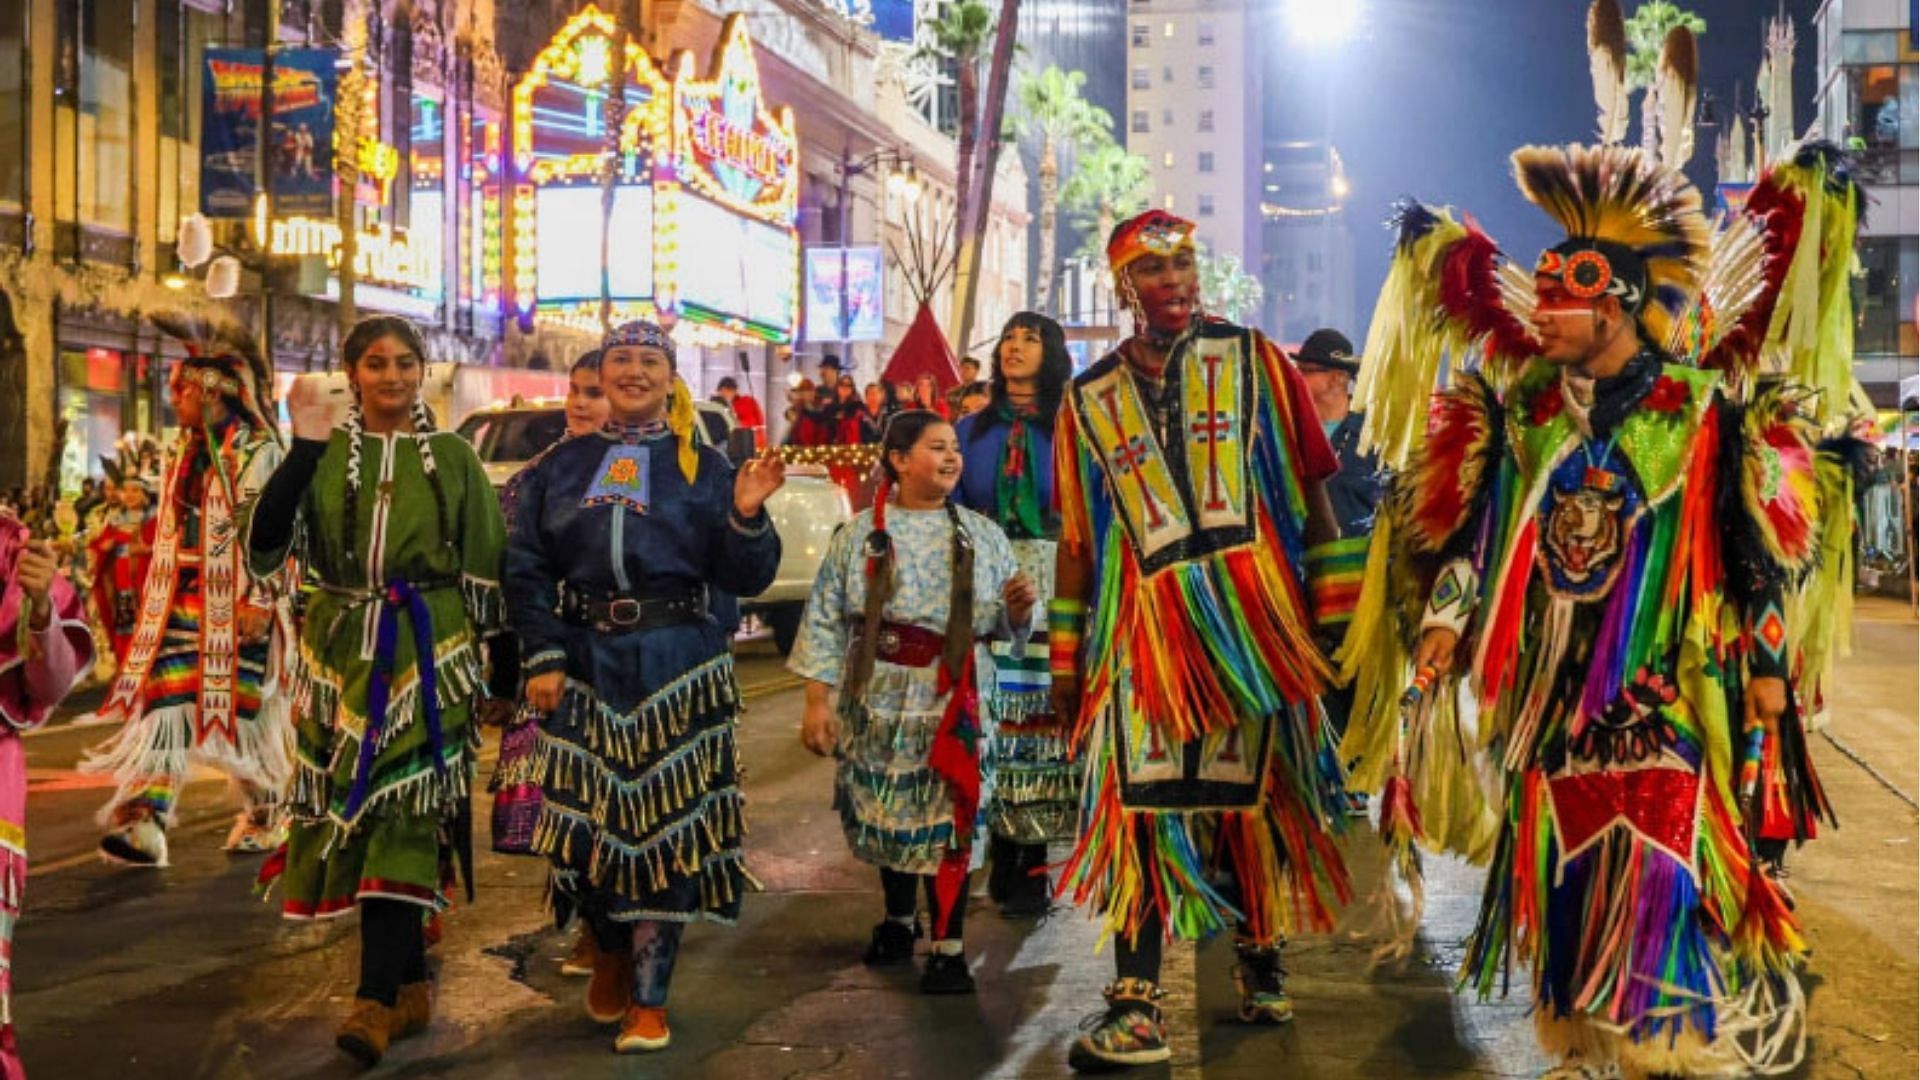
482	539
532	584
1071	471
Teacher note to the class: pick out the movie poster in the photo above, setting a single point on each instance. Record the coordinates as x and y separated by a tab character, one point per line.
299	140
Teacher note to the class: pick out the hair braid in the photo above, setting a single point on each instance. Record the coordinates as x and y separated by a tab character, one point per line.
424	428
356	428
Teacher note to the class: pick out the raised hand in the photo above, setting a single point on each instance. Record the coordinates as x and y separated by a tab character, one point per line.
756	482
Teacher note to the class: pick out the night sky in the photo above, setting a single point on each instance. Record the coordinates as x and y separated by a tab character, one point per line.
1430	97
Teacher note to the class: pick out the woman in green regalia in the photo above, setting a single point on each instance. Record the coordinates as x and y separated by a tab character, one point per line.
402	530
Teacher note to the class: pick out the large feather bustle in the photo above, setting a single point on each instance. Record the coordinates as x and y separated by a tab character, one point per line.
1442	306
1607	60
1679	80
1806	210
1619	194
1735	281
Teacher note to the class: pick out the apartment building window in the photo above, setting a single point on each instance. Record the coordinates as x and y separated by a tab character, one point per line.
1206	161
1141	35
1883	109
15	106
1206	119
183	34
1142	78
1205	33
1206	205
1139	125
1166	74
1206	77
1166	160
104	116
1166	30
1883	296
1166	118
1166	202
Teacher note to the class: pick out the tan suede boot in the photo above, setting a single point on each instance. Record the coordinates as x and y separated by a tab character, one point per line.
413	1009
363	1037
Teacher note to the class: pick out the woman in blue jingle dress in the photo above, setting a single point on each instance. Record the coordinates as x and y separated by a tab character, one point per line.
1008	476
616	540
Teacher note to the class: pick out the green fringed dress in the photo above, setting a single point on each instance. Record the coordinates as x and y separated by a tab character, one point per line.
378	824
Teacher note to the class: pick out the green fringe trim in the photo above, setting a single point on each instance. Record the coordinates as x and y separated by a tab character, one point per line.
704	843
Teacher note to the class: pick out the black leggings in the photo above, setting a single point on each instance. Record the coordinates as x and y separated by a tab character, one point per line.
903	903
393	948
1140	958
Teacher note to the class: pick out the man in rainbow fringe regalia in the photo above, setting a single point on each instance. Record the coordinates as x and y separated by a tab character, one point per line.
198	680
1189	464
1608	528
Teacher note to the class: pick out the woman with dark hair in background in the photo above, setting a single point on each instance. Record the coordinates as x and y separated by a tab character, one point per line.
618	540
905	594
1008	477
404	534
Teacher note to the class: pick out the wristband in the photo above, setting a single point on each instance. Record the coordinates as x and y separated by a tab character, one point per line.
1455	593
1066	628
1334	570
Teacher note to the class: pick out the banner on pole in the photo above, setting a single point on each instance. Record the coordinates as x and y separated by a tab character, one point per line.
845	280
300	136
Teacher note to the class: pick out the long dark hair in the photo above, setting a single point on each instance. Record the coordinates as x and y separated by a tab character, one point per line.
1056	370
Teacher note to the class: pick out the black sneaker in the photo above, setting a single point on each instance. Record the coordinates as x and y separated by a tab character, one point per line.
1262	983
1003	858
1029	895
892	943
1127	1033
946	974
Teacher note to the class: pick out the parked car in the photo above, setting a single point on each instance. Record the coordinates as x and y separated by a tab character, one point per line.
806	511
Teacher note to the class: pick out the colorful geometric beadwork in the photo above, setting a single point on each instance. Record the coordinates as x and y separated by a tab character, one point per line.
623	477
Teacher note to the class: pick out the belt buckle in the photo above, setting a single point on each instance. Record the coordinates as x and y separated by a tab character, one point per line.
623	611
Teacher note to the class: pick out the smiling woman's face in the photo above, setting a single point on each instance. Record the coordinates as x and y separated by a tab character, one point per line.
637	380
388	376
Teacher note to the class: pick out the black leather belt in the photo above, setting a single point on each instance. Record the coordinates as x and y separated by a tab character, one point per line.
626	611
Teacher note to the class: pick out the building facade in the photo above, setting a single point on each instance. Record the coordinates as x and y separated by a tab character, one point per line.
103	113
1307	248
1868	99
1193	112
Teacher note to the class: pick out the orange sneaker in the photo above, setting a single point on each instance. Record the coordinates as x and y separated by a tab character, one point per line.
610	990
642	1031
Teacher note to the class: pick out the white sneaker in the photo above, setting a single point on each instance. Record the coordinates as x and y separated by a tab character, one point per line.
137	843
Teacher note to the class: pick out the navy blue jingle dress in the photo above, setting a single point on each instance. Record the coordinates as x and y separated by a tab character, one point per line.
611	554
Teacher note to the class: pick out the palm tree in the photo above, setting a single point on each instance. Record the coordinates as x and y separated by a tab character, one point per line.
960	37
1107	184
1226	289
1647	32
1053	112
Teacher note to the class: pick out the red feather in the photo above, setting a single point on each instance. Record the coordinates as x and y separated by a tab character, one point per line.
1782	214
1470	292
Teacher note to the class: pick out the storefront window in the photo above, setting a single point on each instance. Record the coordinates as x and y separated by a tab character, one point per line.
183	34
1883	129
1883	296
14	105
92	387
106	113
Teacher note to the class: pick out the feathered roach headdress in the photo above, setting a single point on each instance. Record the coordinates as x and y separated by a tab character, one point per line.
223	357
1635	230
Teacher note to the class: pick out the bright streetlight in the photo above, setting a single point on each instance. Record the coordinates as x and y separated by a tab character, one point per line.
1321	22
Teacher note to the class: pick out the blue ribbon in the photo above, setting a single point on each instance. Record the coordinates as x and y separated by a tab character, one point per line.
380	689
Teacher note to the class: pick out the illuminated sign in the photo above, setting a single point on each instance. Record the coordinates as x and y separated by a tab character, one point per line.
379	163
410	262
728	147
739	271
562	146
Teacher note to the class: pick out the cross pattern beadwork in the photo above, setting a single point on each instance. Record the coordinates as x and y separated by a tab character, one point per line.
1131	457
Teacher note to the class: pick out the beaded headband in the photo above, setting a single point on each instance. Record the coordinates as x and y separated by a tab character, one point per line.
640	333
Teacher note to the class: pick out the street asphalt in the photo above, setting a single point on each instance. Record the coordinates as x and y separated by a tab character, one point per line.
183	972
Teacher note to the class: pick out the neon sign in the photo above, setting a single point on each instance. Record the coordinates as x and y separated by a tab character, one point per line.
727	146
379	255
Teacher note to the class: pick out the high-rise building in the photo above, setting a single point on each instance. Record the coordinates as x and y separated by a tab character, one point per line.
1090	37
1868	96
1193	112
1306	260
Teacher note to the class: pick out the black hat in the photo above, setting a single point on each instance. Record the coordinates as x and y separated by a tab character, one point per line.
830	361
1328	349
